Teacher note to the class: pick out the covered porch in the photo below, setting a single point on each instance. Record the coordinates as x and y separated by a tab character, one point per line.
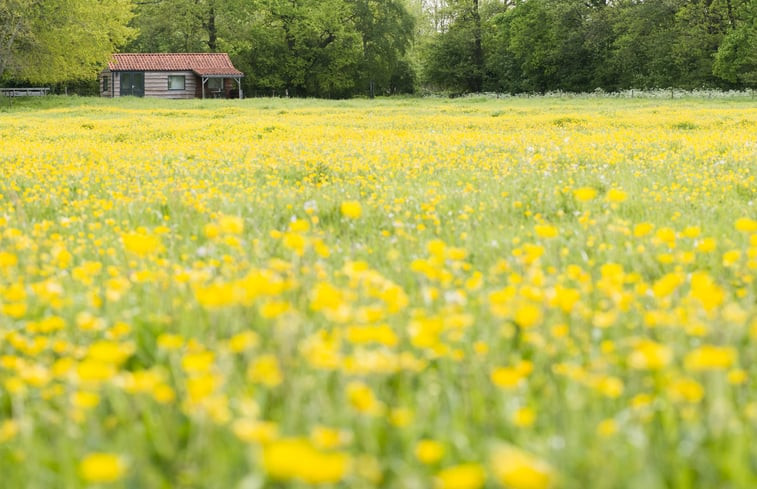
221	86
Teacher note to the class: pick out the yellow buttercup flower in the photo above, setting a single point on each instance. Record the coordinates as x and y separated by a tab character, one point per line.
254	431
351	209
642	229
524	417
517	469
616	195
585	194
746	225
265	370
102	467
546	231
429	451
464	476
685	389
141	244
231	224
362	398
650	355
298	459
8	430
327	438
607	427
709	357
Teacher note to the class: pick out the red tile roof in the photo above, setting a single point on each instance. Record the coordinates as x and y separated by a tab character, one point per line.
201	63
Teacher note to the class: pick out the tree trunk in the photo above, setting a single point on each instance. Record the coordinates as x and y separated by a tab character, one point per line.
212	31
5	51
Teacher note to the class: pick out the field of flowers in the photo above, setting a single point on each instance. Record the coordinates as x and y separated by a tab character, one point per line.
449	294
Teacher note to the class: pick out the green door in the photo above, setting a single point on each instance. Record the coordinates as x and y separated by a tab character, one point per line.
133	83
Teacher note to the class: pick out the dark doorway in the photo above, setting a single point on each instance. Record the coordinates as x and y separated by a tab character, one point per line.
133	83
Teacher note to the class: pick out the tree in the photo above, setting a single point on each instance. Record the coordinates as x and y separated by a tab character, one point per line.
548	41
385	28
598	43
736	59
502	69
55	41
187	25
455	56
700	27
644	34
14	29
304	48
328	48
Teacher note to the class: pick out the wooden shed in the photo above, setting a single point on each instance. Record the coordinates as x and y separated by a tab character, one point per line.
171	75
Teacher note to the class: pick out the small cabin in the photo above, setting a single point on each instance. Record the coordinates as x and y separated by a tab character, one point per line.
171	75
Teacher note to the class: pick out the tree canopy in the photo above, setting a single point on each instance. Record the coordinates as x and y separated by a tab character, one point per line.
60	40
342	48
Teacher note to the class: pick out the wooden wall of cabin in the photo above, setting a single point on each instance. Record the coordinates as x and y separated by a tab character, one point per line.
156	84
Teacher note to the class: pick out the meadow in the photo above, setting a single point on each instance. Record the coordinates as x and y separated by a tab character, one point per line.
474	293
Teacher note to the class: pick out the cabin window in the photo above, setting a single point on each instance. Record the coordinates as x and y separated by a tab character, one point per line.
105	83
176	82
215	83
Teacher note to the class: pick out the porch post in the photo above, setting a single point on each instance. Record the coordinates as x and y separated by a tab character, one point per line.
204	80
239	86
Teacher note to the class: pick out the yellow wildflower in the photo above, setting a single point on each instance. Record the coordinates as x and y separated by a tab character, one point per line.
517	469
102	467
585	194
254	431
429	451
650	355
464	476
265	370
361	398
8	430
141	244
607	428
297	459
351	209
616	195
709	357
745	225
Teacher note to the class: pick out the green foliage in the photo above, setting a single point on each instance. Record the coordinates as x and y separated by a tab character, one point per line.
307	48
386	31
172	26
322	48
641	51
56	40
574	45
343	48
736	59
455	57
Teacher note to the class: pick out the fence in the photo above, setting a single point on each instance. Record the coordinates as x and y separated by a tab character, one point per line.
24	92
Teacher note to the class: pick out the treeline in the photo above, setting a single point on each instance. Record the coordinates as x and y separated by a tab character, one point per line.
581	45
343	48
